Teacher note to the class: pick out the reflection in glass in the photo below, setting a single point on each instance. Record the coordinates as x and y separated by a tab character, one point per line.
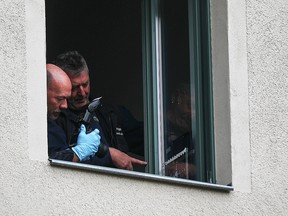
179	142
178	104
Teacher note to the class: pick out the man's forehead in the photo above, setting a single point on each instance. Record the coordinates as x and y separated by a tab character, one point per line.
64	92
82	77
80	82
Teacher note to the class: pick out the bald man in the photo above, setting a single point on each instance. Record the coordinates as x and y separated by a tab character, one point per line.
58	91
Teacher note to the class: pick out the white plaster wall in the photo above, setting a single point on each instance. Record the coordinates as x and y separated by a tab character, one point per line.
29	186
267	33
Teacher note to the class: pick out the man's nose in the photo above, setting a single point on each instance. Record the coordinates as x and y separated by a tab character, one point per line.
81	91
64	105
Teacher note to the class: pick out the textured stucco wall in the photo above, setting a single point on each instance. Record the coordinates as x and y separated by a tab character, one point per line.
32	187
267	33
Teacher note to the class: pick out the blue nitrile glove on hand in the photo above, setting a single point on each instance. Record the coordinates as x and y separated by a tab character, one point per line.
87	144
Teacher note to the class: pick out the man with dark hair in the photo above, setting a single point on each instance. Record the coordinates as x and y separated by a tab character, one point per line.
106	118
58	91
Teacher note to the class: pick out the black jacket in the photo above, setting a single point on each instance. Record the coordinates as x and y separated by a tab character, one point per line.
107	120
57	147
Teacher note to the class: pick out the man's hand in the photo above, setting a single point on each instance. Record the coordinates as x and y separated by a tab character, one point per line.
87	144
124	161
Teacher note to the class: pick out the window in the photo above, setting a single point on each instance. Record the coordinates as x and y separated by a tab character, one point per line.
153	58
181	69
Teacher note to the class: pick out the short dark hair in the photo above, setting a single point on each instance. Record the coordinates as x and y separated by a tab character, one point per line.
71	62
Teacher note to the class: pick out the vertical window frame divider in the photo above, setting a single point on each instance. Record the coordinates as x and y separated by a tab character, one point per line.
195	65
159	87
151	86
199	16
209	126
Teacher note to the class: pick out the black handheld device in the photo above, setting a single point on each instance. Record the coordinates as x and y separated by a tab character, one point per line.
102	149
90	112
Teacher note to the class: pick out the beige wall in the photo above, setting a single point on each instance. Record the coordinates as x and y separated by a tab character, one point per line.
257	75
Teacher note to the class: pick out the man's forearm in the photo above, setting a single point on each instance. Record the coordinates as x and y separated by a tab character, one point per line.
66	155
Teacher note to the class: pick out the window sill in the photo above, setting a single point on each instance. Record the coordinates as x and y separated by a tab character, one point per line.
139	175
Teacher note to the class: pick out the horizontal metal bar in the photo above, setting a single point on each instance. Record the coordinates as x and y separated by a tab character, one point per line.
139	175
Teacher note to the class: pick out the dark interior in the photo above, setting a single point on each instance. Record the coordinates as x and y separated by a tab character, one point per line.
108	34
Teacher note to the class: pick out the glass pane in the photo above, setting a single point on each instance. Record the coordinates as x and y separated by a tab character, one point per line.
178	91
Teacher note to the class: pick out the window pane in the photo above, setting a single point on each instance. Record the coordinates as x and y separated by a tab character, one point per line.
178	91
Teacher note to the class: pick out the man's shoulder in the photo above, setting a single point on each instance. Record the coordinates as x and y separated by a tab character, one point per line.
67	115
51	124
106	107
55	132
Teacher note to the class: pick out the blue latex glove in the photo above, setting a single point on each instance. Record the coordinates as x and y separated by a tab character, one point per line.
87	144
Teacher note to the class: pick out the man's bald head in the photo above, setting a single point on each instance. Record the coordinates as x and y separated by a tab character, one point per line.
58	90
56	75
